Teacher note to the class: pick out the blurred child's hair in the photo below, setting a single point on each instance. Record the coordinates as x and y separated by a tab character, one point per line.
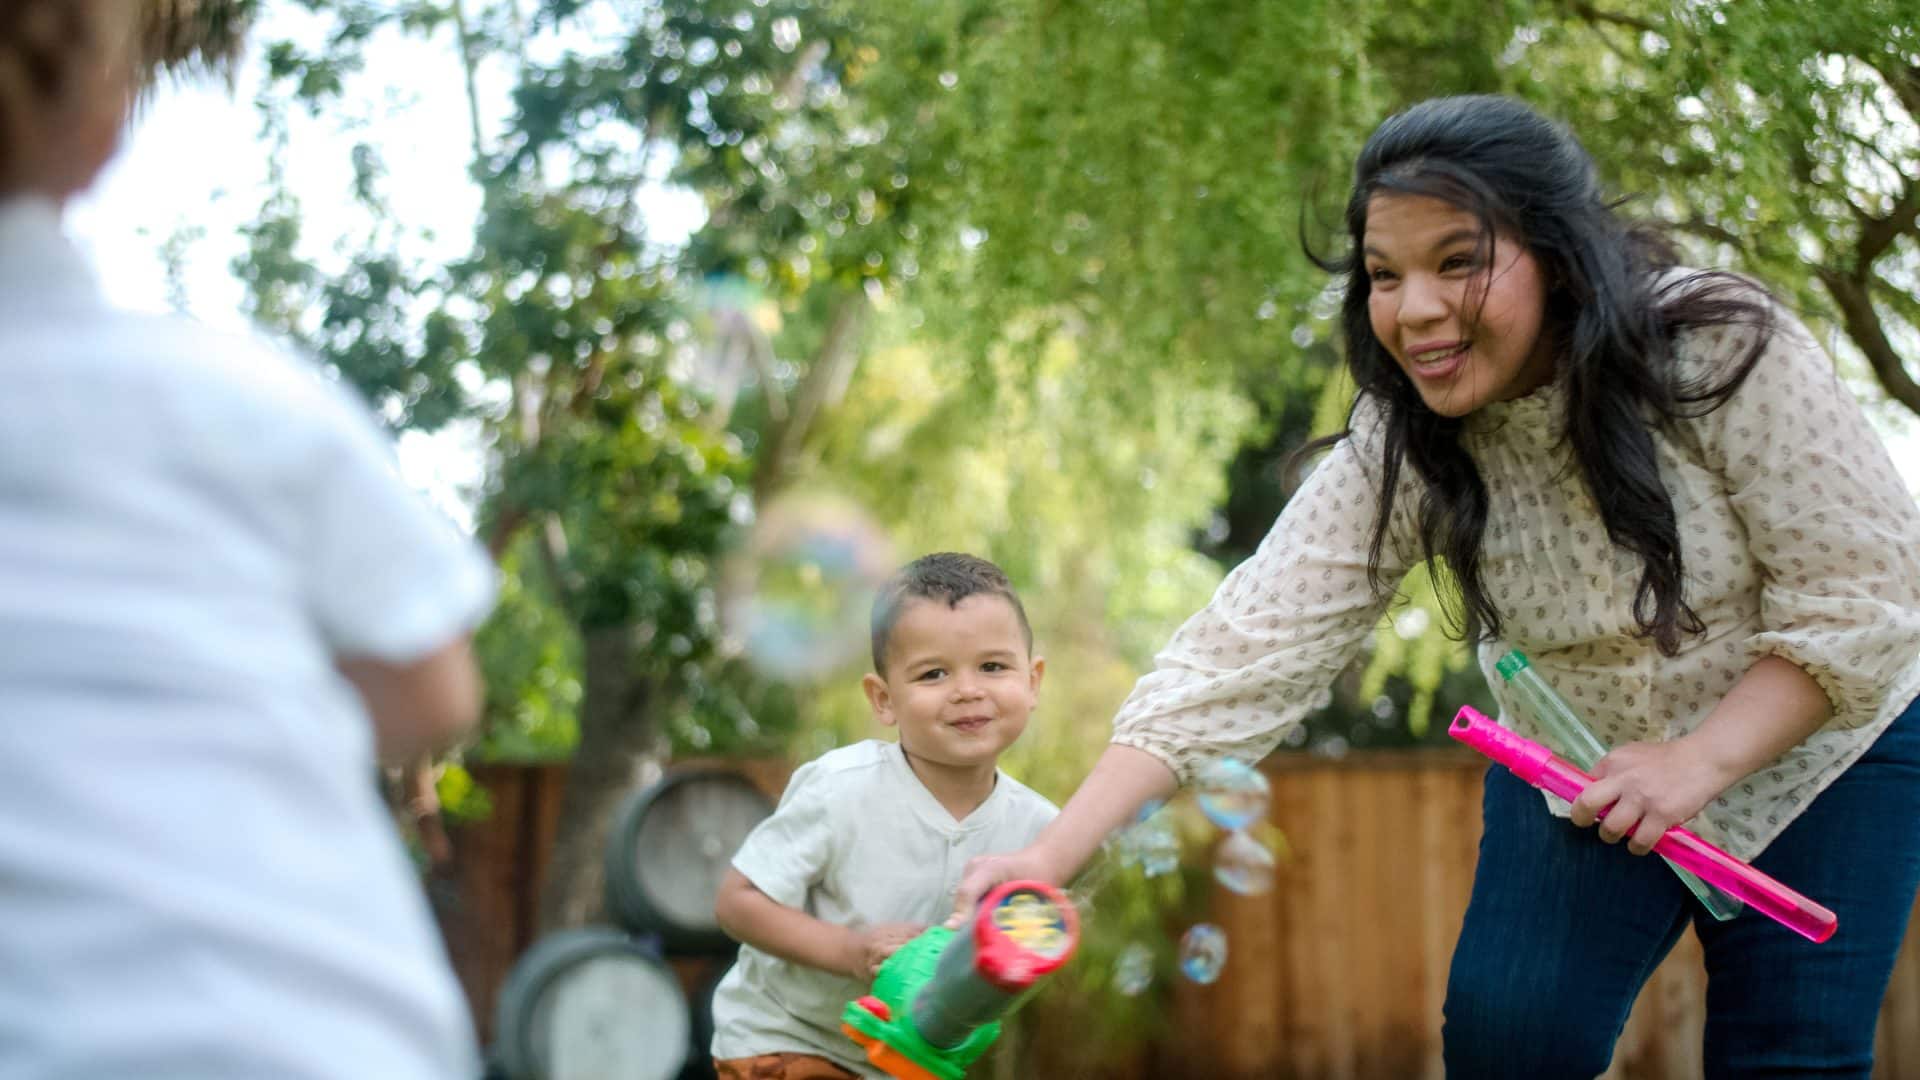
947	576
48	51
55	54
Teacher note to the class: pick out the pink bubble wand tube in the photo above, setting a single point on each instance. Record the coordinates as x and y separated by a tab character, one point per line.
1540	767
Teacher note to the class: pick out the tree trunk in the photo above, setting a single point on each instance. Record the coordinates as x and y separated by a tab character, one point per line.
621	744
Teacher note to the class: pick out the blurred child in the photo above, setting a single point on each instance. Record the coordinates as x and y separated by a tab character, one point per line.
869	840
217	604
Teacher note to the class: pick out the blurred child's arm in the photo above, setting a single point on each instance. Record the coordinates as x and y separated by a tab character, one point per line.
417	706
753	918
392	587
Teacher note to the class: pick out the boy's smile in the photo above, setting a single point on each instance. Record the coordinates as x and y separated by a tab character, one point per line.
959	685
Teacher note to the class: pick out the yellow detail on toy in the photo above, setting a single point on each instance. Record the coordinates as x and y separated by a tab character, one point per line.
1032	922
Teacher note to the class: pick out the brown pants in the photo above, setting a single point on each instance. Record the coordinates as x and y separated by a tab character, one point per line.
781	1067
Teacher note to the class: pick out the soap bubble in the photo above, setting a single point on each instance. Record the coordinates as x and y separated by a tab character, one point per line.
1333	747
1133	969
1203	952
1152	844
796	599
1232	793
1244	865
1156	846
731	322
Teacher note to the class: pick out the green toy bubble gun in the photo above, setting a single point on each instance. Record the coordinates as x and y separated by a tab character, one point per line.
937	1003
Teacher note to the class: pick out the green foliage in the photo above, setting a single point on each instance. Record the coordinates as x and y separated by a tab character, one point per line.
460	798
530	660
644	497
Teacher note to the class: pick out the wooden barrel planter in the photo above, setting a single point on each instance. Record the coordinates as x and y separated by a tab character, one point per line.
669	849
591	1003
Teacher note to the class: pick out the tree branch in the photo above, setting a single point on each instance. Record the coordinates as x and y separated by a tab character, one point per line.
825	383
468	62
554	551
1594	15
1714	231
1877	234
1903	81
1851	292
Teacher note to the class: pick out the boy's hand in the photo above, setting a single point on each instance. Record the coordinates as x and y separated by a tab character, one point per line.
871	947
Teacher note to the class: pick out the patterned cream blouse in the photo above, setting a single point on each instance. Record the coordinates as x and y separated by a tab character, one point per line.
1800	540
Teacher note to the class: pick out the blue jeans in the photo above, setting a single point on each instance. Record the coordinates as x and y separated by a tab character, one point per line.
1563	929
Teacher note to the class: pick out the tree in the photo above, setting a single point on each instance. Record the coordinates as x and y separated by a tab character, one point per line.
1786	136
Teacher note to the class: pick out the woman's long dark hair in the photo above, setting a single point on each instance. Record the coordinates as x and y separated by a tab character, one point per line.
1612	324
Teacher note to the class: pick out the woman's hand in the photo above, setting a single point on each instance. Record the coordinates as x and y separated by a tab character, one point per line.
869	948
987	871
1652	787
1122	781
1643	789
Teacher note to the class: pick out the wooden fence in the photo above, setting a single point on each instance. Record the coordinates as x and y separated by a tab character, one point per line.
1337	974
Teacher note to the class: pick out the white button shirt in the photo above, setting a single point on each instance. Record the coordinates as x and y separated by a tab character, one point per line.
197	877
857	841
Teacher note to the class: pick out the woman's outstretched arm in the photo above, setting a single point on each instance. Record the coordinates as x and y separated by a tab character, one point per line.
1122	781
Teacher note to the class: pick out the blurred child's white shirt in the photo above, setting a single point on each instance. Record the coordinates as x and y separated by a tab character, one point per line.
197	876
857	840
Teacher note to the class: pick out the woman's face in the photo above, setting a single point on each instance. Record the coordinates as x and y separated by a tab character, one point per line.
1466	324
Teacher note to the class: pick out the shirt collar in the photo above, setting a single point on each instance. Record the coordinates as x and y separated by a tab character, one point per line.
928	808
1536	421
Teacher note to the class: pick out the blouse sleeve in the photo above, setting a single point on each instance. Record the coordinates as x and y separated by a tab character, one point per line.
1281	627
1832	528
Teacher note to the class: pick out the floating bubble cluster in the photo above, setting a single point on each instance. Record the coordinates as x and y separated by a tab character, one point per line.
1203	953
796	598
1231	793
731	322
1150	843
1133	969
1244	865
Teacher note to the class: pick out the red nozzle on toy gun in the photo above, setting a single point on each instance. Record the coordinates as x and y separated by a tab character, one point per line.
1540	767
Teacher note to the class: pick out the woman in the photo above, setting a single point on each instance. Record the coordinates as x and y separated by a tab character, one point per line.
1648	479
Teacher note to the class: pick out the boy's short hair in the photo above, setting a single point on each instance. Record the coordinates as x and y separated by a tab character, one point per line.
949	576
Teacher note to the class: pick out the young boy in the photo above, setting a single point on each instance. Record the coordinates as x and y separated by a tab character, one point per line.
870	839
217	605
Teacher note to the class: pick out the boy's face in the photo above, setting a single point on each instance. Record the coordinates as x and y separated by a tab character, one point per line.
959	682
